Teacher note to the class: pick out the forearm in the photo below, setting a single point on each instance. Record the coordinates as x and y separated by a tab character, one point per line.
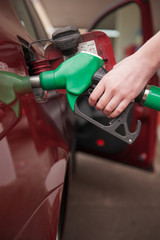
149	55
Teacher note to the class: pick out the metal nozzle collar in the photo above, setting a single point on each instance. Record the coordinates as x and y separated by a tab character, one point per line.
145	95
35	81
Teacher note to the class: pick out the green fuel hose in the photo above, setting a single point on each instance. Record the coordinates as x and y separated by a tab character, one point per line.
151	97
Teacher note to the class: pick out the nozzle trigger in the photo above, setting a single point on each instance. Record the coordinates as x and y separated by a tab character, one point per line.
118	127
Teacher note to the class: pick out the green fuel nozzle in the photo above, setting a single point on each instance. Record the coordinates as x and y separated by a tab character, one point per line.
79	75
74	75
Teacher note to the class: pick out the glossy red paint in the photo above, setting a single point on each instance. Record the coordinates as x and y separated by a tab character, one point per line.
54	56
146	142
34	154
103	46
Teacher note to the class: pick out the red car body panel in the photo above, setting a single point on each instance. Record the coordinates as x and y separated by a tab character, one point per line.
34	154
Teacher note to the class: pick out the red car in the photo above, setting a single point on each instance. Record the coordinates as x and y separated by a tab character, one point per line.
37	137
36	145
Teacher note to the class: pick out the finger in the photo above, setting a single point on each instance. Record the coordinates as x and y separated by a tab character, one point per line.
103	101
119	109
112	104
97	92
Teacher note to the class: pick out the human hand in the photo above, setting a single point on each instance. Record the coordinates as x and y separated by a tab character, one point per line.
120	86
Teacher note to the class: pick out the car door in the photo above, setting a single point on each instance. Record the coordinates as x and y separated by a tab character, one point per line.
35	137
128	24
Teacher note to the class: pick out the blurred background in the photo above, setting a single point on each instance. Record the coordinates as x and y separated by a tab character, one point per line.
107	200
82	13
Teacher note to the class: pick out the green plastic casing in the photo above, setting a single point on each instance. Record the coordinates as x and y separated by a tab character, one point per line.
153	98
74	75
12	86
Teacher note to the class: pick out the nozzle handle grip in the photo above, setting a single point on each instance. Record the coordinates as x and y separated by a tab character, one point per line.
95	80
112	125
98	75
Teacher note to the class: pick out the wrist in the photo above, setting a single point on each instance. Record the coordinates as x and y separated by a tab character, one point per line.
149	55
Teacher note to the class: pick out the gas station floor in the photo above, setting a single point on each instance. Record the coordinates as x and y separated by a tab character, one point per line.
112	201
